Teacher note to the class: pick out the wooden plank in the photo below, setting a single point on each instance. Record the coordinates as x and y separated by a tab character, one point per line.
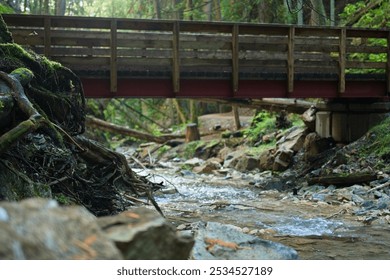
366	65
235	57
290	60
47	36
176	57
113	58
316	48
366	49
342	59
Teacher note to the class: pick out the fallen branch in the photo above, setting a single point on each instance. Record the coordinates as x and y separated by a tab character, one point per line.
343	179
117	129
384	185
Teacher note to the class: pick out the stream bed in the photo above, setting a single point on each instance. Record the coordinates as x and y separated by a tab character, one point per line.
316	230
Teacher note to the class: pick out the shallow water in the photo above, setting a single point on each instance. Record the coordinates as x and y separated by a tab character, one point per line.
312	229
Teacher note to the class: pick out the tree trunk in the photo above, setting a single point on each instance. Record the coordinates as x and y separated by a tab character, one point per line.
318	14
236	118
179	111
192	133
157	9
60	7
113	128
217	10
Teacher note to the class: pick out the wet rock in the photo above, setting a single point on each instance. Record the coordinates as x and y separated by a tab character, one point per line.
247	163
194	162
143	234
215	241
40	229
208	167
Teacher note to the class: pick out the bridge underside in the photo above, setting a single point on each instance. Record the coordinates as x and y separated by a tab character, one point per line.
218	88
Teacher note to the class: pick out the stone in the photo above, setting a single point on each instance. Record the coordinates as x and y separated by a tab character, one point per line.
309	118
208	167
293	140
314	144
266	159
40	229
283	158
194	161
143	234
216	241
247	163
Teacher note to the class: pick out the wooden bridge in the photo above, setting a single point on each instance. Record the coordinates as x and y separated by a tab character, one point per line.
150	58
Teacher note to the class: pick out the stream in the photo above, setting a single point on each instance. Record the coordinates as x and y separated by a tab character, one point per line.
316	230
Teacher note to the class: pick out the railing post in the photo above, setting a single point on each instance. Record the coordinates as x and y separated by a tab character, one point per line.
114	57
342	58
290	59
388	64
47	36
176	57
235	57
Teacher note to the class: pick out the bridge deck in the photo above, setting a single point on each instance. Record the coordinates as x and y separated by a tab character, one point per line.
123	57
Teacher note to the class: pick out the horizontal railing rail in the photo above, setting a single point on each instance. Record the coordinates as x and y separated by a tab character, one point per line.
177	50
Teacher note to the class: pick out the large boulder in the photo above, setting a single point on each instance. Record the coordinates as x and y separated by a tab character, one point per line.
143	234
39	228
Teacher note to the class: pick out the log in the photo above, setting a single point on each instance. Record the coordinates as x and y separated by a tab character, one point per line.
341	180
117	129
192	133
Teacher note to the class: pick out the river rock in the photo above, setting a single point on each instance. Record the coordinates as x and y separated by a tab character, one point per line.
283	158
314	145
266	159
293	139
143	234
247	163
216	241
39	228
208	167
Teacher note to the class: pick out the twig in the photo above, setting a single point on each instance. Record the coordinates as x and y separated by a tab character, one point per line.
384	185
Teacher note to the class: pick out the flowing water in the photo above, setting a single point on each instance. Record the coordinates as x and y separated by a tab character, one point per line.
315	230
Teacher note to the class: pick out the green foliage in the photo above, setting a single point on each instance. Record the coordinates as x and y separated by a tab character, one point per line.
380	145
5	9
263	123
63	199
191	147
367	14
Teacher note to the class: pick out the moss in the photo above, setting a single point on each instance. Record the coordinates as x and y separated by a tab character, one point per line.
23	75
63	199
380	141
189	150
257	151
15	186
162	150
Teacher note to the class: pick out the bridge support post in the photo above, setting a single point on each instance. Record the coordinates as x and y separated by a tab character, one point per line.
345	127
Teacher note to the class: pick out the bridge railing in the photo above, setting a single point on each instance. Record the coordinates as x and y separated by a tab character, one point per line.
125	48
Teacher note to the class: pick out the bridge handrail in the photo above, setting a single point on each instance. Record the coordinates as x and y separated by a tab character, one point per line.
226	50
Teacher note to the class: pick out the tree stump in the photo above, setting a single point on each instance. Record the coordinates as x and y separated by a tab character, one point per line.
192	132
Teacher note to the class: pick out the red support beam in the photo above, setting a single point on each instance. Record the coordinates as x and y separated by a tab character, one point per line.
255	89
